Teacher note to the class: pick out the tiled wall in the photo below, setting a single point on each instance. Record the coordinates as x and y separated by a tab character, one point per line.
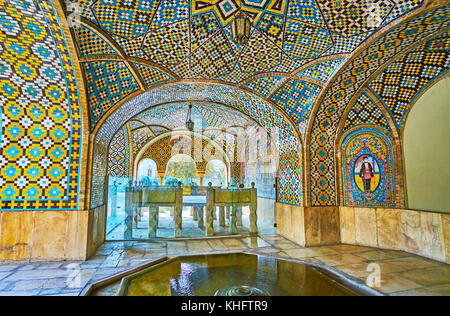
40	124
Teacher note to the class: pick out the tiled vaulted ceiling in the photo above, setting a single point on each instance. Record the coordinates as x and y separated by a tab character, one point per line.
295	46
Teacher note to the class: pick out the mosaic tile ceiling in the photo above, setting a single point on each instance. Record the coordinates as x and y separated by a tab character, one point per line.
160	41
205	116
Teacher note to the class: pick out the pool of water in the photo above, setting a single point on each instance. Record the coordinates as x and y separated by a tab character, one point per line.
231	274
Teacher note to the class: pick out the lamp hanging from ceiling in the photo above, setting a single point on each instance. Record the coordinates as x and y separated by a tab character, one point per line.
240	28
182	135
189	121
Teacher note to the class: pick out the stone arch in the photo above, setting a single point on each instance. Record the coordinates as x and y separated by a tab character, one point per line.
160	150
276	124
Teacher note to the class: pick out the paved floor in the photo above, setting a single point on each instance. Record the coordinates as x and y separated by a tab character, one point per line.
401	273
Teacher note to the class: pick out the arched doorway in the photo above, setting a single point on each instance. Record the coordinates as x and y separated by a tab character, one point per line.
216	173
426	150
147	172
181	168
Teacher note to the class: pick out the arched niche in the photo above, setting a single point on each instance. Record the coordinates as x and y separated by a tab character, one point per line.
182	168
426	150
367	169
216	173
147	171
277	125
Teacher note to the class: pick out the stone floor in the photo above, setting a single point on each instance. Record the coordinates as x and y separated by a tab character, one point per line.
401	273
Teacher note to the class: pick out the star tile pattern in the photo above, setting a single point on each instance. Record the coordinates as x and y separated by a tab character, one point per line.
40	120
403	80
365	112
91	44
350	79
297	98
107	83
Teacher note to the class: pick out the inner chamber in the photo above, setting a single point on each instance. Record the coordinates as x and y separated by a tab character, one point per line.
154	155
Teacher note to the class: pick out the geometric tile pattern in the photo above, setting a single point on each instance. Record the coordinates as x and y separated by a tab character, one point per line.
158	130
297	98
365	112
203	26
260	54
306	11
161	152
273	27
265	85
139	138
151	75
380	192
289	188
349	17
124	18
40	116
170	11
169	44
107	83
90	43
119	155
207	63
99	173
135	125
322	71
345	45
131	47
402	7
404	79
204	115
350	79
192	38
288	65
302	40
